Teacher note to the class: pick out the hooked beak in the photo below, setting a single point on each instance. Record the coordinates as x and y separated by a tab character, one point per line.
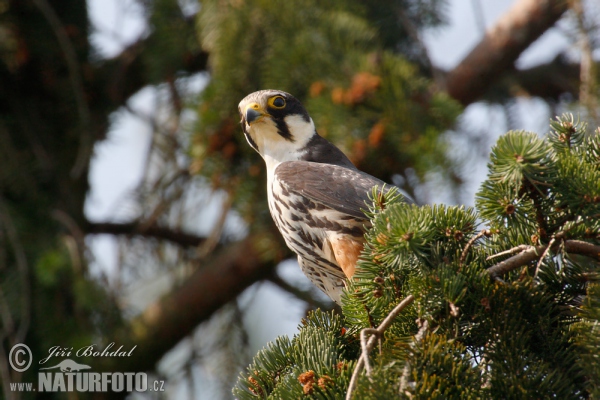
254	112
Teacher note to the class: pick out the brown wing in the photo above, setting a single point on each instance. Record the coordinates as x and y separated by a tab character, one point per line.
342	189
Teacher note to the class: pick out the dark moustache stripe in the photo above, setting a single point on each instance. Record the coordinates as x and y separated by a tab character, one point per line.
250	141
283	130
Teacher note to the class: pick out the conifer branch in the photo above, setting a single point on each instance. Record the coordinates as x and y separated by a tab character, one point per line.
514	250
418	338
307	296
164	323
524	257
501	46
463	256
76	80
535	195
551	81
130	229
120	77
580	221
544	254
528	254
367	346
583	248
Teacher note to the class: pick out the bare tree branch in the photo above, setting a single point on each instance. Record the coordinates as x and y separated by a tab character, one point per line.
535	252
501	46
588	71
134	229
423	328
166	322
583	248
7	224
126	75
86	143
305	295
549	81
367	346
482	233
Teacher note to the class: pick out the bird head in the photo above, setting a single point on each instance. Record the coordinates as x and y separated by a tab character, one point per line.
276	125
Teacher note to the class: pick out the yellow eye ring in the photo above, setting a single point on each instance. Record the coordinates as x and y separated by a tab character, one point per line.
277	102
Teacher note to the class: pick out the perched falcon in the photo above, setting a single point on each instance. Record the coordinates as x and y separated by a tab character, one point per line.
315	192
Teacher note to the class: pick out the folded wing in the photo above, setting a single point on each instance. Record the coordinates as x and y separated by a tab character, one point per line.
339	188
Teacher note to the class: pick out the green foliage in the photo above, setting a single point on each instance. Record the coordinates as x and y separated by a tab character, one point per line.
445	370
172	40
71	307
312	362
518	156
587	339
532	335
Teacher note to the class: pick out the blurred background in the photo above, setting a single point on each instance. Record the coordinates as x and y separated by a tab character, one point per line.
133	211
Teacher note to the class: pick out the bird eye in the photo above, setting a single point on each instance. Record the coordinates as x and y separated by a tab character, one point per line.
277	102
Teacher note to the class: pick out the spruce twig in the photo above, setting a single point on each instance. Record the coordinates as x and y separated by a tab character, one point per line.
514	250
580	221
524	257
531	253
544	254
463	256
418	338
76	81
307	295
583	248
367	346
535	194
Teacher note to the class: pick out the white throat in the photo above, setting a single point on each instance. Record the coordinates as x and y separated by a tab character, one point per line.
274	149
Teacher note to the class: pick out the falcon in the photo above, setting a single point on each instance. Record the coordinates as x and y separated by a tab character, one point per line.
315	193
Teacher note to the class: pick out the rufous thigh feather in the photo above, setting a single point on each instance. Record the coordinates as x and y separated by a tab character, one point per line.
346	252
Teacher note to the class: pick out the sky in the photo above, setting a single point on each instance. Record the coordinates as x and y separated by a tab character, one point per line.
119	161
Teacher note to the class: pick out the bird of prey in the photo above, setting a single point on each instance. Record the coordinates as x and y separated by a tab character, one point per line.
315	193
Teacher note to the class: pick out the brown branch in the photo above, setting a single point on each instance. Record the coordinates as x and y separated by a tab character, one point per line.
544	254
588	87
463	256
532	191
114	80
583	248
72	62
413	345
414	34
301	294
549	81
534	252
212	240
501	46
166	322
20	258
514	250
134	229
122	76
367	346
514	262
